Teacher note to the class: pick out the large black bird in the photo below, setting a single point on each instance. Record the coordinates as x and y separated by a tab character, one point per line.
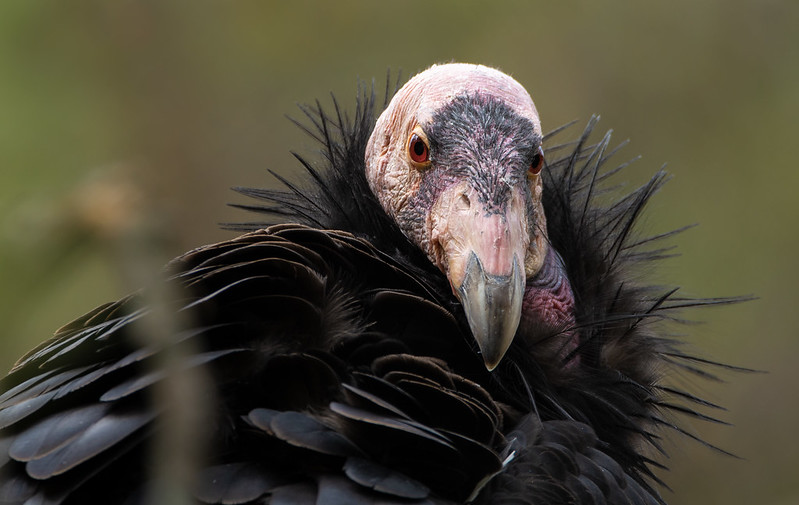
449	318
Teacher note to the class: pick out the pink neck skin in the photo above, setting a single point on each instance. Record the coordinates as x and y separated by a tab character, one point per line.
548	311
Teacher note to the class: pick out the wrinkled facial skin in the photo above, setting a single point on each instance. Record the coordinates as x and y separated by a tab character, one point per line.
483	130
481	151
471	204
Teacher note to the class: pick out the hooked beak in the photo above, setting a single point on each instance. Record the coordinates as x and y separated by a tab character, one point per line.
493	305
483	254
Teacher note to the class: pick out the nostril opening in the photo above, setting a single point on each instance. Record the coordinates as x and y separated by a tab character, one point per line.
464	201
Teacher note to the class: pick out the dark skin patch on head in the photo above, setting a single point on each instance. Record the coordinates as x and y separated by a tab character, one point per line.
479	138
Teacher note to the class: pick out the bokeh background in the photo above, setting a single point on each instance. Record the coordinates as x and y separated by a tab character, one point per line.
124	122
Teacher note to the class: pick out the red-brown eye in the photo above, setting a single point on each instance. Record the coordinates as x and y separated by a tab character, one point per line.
537	164
418	150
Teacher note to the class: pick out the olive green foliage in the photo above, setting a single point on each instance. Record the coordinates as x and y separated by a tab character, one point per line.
124	122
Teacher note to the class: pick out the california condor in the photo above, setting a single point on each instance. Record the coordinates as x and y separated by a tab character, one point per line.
451	310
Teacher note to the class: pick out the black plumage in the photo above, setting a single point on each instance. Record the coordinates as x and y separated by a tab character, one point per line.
343	368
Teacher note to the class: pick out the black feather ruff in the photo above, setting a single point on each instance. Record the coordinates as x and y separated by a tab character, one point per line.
625	347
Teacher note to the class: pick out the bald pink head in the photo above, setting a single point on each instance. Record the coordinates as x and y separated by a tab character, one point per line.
454	160
416	103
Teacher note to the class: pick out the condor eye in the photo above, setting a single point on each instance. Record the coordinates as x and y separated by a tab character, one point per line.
537	164
418	150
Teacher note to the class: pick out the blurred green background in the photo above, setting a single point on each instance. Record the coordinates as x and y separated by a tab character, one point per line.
118	116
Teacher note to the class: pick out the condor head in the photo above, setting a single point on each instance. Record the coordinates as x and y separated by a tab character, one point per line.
455	161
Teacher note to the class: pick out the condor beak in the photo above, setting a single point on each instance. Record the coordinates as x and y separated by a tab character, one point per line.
482	251
493	305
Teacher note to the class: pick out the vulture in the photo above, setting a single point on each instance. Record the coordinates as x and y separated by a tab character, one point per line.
436	312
